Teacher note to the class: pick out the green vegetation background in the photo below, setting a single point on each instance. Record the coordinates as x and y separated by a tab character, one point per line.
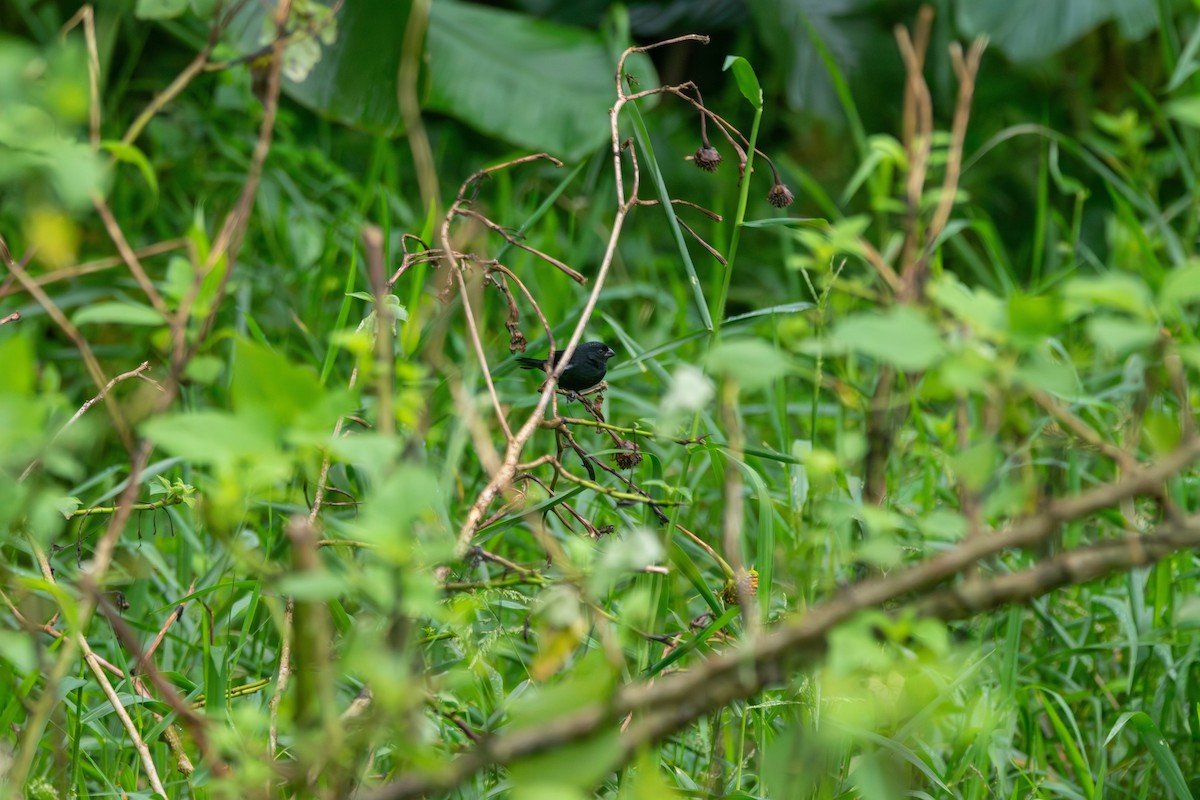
805	426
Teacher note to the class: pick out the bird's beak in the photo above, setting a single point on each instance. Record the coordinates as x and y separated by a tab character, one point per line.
609	352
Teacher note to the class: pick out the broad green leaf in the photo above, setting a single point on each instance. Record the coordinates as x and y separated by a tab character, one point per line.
974	466
266	381
402	497
204	369
828	245
68	505
968	370
178	280
348	73
1033	318
534	84
211	437
943	524
159	9
1041	371
899	336
747	81
121	313
1114	290
17	648
16	360
590	682
568	769
977	307
751	363
1180	287
320	585
1028	30
648	781
1120	335
1185	110
531	83
623	555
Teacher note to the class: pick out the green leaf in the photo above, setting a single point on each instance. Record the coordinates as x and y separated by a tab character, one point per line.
747	81
1120	335
900	337
204	369
17	649
776	222
159	9
751	363
266	381
16	356
974	466
575	766
621	556
532	83
977	308
1042	371
1185	110
1033	318
129	154
1180	287
944	524
119	312
1028	30
67	506
318	585
211	437
177	282
1114	290
1154	741
351	79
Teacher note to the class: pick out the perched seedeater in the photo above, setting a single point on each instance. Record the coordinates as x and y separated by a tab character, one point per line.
587	367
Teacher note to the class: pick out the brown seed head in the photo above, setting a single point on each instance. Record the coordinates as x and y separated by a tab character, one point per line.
707	158
780	196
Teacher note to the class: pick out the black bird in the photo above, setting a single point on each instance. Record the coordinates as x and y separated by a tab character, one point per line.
588	364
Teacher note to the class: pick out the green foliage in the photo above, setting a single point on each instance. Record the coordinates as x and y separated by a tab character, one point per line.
725	582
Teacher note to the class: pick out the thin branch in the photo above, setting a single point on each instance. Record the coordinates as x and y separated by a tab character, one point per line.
515	242
1081	429
160	101
133	373
135	266
119	708
229	239
87	16
97	265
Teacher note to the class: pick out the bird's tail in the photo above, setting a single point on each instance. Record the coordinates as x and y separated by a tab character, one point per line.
531	363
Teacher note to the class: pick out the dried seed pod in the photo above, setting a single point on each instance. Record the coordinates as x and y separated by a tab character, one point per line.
780	196
630	455
707	158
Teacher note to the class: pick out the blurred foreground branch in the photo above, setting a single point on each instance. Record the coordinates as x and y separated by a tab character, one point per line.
665	705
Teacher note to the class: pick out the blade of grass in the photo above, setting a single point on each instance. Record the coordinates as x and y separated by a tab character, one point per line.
649	166
343	315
